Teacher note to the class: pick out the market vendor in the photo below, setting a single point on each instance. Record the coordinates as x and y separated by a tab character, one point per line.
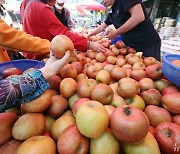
39	20
133	24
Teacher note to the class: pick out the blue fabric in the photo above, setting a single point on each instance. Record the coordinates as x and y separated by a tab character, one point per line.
116	39
20	89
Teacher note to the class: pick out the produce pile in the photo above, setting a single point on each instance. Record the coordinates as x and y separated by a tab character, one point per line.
117	102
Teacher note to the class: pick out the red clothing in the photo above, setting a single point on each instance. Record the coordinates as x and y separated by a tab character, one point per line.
39	20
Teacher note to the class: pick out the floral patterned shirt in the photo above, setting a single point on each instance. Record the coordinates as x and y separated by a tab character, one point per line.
16	90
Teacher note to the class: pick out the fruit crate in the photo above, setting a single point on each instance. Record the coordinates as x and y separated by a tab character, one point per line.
21	64
171	71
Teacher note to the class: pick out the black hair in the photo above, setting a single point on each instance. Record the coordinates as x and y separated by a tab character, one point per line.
44	1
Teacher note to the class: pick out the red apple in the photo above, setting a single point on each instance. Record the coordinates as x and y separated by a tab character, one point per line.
68	71
154	71
131	119
138	74
118	73
102	93
100	57
171	102
149	61
157	115
176	119
68	87
81	76
7	120
78	66
81	58
146	84
139	66
167	135
170	89
54	82
152	130
92	71
151	97
72	141
117	101
120	44
11	71
120	61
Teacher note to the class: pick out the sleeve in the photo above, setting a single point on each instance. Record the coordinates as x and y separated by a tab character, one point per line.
19	89
108	20
55	27
16	40
127	4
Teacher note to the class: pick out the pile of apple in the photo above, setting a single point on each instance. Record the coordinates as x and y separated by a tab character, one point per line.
100	103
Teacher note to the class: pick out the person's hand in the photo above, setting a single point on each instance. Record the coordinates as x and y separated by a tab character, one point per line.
54	64
97	47
112	35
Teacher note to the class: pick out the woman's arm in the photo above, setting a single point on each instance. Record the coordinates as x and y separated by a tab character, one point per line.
16	40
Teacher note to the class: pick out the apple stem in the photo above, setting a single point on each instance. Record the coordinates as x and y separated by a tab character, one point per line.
127	110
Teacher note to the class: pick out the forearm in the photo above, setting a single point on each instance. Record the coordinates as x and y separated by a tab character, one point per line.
20	89
11	38
98	30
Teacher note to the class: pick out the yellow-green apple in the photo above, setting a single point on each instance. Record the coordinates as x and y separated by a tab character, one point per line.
7	120
28	125
133	125
139	66
115	51
91	54
170	89
81	76
136	101
92	119
109	67
85	86
117	101
58	106
134	59
39	104
157	115
167	135
78	66
10	147
73	99
77	104
128	87
103	76
72	141
129	55
68	71
105	144
138	74
171	102
99	66
120	61
146	84
11	71
127	66
111	59
49	122
149	61
161	84
92	71
112	46
114	87
60	44
118	73
154	71
123	51
148	145
100	57
68	112
38	144
68	87
109	109
151	97
176	119
54	82
102	93
60	124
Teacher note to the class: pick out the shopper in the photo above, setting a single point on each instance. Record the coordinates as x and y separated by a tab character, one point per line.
15	40
15	90
134	25
63	14
39	20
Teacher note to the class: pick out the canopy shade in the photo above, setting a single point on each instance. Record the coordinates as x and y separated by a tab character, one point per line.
91	5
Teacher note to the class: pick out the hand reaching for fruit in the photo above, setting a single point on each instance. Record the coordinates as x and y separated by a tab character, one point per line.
97	47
